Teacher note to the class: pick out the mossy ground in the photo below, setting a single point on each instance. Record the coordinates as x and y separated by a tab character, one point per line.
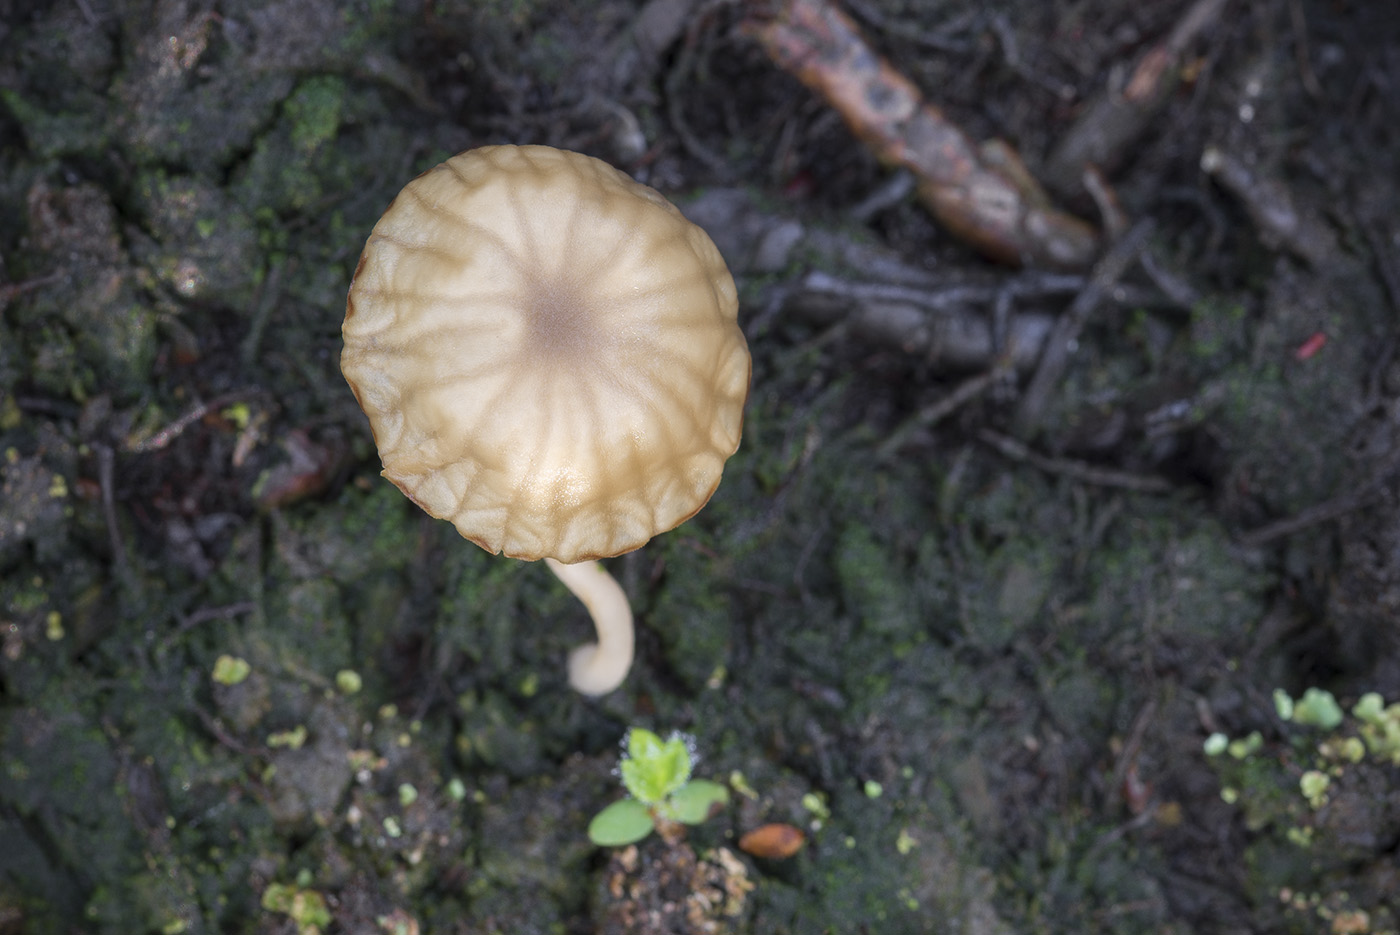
979	686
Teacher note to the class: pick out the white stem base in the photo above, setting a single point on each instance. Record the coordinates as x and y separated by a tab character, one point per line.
598	668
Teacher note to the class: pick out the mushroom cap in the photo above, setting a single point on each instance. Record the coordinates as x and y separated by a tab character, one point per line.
548	353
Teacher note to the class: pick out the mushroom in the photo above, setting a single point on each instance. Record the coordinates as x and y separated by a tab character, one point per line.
549	356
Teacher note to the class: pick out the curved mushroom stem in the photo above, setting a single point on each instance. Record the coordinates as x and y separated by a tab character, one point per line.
598	668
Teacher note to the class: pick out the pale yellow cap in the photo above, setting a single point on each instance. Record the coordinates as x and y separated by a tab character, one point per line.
548	353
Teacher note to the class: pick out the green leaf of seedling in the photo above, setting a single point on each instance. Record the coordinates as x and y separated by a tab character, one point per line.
624	822
654	768
696	801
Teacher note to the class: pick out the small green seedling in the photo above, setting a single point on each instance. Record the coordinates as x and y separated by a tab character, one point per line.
656	774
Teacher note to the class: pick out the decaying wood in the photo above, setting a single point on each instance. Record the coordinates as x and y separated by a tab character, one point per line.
980	195
950	324
953	321
952	339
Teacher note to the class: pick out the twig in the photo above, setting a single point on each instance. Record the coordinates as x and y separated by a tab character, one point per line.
268	293
941	408
1391	279
216	727
173	430
1314	515
945	296
1300	46
105	481
1175	287
1328	510
1111	213
1389	275
1113	835
939	40
954	340
1118	116
1000	25
210	613
1270	206
889	193
86	10
985	205
1127	757
1055	357
1075	470
676	80
10	290
962	324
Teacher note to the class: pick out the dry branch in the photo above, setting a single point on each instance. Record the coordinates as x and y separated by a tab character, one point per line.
1058	346
948	325
1116	118
983	195
1280	223
1075	470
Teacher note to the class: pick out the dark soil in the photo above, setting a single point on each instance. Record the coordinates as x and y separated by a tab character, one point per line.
972	646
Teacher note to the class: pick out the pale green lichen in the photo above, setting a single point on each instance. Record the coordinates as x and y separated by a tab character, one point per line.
230	670
305	907
292	739
1314	784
